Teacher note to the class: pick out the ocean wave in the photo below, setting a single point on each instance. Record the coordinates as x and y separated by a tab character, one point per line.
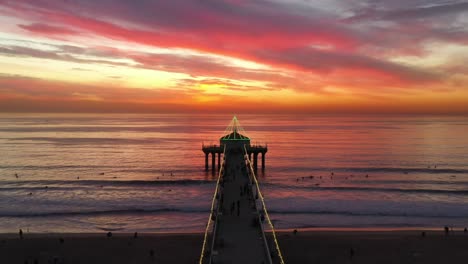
408	170
96	183
108	129
370	189
137	211
93	141
101	212
360	213
378	169
49	167
431	182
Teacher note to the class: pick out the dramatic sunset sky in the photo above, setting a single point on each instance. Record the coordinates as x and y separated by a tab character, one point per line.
336	56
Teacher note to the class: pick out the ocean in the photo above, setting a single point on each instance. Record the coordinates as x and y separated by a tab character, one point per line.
145	173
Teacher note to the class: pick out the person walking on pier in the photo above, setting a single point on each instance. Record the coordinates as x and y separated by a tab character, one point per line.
351	253
232	207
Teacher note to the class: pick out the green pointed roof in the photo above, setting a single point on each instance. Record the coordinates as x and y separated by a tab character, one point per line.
234	131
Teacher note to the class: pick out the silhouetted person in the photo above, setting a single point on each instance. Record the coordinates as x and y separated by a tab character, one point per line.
221	242
351	253
151	253
423	234
446	229
109	234
135	235
295	232
61	240
21	233
465	230
16	175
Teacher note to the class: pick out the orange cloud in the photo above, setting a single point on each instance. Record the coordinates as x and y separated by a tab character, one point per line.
311	59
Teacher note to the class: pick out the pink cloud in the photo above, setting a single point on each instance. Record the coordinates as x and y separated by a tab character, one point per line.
306	42
47	29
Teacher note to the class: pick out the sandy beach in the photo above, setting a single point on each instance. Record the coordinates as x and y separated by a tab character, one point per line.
374	247
304	247
98	248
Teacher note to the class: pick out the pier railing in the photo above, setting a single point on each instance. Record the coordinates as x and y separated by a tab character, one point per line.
213	215
259	218
265	211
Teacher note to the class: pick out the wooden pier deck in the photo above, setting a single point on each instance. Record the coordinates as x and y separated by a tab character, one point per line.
238	208
239	235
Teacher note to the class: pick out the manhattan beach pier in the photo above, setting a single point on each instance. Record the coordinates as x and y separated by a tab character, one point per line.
235	232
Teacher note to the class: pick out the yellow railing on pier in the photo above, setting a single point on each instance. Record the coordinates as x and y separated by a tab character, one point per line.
267	216
202	255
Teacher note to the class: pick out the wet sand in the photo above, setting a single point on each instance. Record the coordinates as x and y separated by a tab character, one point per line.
305	247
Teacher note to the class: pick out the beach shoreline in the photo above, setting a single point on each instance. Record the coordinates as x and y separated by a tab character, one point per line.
317	246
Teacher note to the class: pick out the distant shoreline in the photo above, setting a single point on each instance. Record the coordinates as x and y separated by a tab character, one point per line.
280	231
